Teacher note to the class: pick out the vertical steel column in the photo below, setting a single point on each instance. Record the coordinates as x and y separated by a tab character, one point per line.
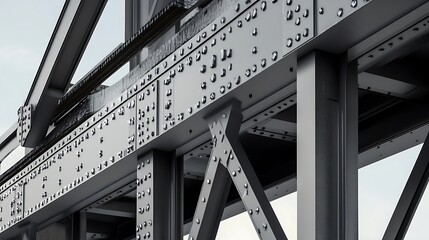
410	197
327	151
159	208
79	225
28	231
228	157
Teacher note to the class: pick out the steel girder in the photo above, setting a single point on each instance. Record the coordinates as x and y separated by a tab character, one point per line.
158	111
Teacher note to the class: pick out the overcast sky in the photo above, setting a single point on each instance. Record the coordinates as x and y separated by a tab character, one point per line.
26	27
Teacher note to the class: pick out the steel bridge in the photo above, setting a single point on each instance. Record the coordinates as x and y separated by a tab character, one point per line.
233	103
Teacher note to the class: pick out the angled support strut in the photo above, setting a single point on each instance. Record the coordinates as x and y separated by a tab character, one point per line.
228	157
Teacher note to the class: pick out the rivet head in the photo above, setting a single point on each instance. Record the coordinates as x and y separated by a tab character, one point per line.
255	32
321	10
239	24
254	50
263	5
237	7
214	26
254	68
254	13
234	173
289	42
298	21
222	89
340	12
306	31
248	16
197	221
212	96
298	37
203	69
237	80
274	56
247	72
263	62
305	14
288	2
213	78
289	15
223	20
354	3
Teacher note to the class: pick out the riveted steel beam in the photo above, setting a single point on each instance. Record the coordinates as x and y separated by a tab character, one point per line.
159	208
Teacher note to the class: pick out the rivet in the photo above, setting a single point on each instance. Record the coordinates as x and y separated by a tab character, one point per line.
340	12
288	2
190	46
298	8
214	26
305	34
254	50
165	64
263	62
289	15
263	5
229	85
203	99
223	20
223	54
204	51
247	16
213	78
234	174
237	7
247	73
237	80
254	13
321	10
223	72
298	37
255	32
222	89
204	34
245	185
203	69
264	225
208	181
197	221
212	96
230	29
203	199
182	51
274	56
250	211
239	24
223	37
298	21
213	42
190	110
198	56
213	61
305	14
289	42
254	68
354	3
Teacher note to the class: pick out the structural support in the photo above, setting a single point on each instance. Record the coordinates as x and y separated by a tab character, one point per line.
229	157
327	153
159	207
28	231
79	225
66	46
411	196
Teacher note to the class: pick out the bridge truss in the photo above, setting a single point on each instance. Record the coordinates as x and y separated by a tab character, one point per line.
247	101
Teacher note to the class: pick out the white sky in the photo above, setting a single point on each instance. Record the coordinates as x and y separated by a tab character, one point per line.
26	27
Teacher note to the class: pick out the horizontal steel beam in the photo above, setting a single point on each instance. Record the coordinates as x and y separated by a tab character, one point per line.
215	66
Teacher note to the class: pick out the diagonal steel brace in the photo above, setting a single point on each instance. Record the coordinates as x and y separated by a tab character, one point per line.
228	157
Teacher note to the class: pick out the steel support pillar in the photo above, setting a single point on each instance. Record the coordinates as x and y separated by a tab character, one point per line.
410	197
229	158
159	206
79	225
327	147
28	231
